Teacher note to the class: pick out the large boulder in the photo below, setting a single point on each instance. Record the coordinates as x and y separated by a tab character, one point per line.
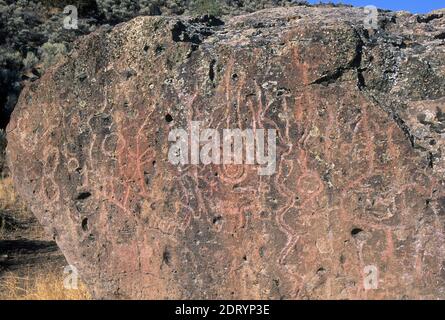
354	209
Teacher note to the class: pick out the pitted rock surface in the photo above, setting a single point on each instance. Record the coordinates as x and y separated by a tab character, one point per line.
358	192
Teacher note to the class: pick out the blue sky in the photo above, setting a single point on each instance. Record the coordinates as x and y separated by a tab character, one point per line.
414	6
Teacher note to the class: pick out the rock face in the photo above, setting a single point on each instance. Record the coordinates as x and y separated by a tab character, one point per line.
355	208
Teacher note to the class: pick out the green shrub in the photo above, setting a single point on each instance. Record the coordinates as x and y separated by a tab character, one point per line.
208	7
30	60
51	53
83	6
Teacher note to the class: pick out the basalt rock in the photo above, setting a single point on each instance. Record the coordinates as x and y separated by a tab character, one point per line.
355	208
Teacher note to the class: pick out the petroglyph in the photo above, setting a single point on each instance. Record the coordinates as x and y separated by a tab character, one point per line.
349	191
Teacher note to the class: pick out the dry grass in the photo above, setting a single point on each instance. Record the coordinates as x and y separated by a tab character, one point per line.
3	144
8	198
46	285
13	208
